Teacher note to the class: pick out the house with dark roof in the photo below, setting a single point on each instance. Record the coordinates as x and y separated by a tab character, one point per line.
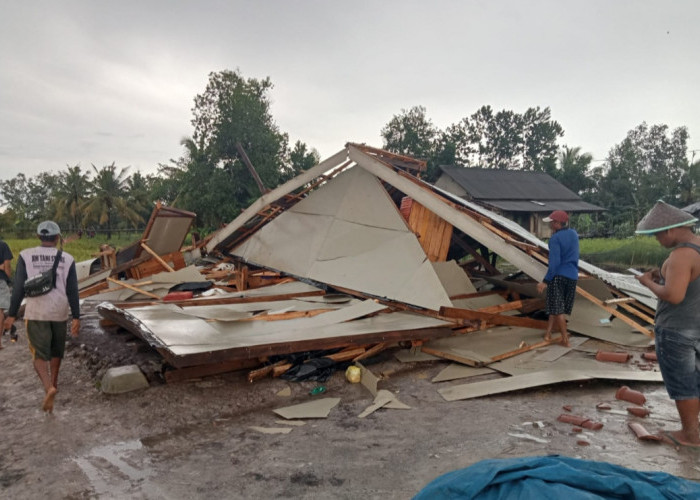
522	196
693	209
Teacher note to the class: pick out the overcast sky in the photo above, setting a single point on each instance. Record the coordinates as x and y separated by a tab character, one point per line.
92	82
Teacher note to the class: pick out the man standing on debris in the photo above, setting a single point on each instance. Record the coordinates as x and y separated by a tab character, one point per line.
562	274
5	280
46	315
677	320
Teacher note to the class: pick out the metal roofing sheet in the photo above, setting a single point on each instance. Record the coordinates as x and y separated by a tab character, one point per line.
544	207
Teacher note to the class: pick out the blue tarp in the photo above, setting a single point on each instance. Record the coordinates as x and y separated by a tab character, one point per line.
556	477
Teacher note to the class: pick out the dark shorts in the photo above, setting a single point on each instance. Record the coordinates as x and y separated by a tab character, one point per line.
47	339
4	295
678	352
561	293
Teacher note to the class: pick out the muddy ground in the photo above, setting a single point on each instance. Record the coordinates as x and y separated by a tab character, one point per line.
194	439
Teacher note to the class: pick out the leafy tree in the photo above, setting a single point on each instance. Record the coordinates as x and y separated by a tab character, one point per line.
486	139
28	199
410	133
573	170
139	194
648	165
301	158
72	191
234	110
540	136
109	199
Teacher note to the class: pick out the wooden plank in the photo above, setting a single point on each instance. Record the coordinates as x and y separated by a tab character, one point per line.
638	313
287	315
190	372
165	265
526	348
494	319
371	351
262	350
618	300
615	312
531	304
133	288
264	371
226	300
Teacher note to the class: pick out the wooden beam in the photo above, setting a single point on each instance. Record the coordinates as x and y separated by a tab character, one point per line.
371	351
525	348
494	319
529	304
246	161
287	315
225	300
134	288
165	265
190	372
615	312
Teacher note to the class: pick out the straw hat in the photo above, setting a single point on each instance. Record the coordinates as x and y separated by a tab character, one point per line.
663	216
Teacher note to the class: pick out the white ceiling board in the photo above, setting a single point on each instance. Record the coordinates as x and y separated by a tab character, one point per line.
488	343
277	193
354	196
453	278
290	243
318	408
456	371
183	334
538	379
589	319
348	233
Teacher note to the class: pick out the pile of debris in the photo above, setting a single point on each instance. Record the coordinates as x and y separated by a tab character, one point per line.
348	259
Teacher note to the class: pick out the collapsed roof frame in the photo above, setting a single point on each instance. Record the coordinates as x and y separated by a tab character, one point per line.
484	227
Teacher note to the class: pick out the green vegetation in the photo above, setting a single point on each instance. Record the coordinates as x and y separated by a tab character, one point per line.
638	252
236	150
81	249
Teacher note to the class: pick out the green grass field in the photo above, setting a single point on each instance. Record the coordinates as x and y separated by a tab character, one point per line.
638	252
81	249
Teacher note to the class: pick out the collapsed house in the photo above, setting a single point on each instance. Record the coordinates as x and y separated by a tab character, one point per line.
349	258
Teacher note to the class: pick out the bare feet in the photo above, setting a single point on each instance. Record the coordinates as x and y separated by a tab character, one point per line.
564	340
48	400
547	336
678	439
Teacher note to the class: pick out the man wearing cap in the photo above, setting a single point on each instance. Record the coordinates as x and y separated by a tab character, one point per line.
562	274
46	315
5	280
677	320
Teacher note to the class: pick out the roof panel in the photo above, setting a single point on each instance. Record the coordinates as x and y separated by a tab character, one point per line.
486	184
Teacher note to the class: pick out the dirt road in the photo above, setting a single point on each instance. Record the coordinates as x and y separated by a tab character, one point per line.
195	439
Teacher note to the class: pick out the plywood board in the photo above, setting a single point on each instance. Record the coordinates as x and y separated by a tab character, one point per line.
456	371
319	408
538	379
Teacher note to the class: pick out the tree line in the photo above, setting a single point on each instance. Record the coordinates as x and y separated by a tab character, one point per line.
233	128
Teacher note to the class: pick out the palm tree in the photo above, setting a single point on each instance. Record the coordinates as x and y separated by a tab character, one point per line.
71	194
109	198
573	169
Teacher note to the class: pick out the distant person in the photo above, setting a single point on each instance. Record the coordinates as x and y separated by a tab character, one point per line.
46	315
5	281
677	320
562	274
